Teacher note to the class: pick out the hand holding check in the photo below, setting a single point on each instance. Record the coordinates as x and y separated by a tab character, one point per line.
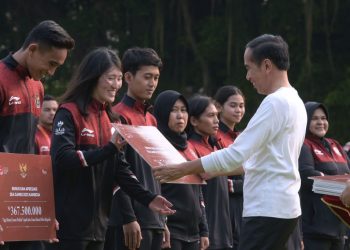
345	196
173	172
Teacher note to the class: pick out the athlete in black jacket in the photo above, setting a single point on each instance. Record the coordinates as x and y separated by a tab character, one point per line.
141	69
230	103
21	92
204	125
188	226
320	156
86	161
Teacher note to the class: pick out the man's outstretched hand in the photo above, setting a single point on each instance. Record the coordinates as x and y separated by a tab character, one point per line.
345	196
168	173
175	171
161	205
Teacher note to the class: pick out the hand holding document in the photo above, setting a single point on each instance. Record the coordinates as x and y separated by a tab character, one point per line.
154	148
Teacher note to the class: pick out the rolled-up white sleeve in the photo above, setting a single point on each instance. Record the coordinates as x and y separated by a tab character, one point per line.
224	160
261	129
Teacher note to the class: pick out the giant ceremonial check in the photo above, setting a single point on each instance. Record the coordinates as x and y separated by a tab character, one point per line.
154	148
26	198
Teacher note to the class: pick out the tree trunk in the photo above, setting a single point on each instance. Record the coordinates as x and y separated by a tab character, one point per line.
229	15
193	43
308	30
327	30
159	27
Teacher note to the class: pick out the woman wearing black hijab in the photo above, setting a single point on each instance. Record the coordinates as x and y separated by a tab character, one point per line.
322	230
188	226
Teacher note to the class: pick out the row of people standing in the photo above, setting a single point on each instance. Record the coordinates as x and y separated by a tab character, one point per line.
87	161
89	164
86	151
204	125
205	133
129	220
80	139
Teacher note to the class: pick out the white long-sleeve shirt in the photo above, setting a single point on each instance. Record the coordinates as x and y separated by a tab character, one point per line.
269	148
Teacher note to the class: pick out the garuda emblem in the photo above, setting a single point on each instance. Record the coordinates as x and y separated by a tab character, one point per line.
23	169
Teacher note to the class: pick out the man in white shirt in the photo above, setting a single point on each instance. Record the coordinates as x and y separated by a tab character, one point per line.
269	148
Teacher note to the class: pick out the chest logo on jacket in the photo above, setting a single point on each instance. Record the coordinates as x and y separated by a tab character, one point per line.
37	101
14	100
318	152
60	129
87	132
44	149
336	150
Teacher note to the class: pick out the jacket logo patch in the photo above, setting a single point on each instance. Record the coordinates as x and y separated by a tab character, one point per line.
318	152
14	100
112	130
87	132
336	150
60	129
44	149
193	154
37	101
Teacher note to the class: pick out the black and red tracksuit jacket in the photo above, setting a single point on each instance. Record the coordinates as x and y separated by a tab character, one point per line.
317	219
189	223
86	168
20	107
216	198
225	138
133	112
42	140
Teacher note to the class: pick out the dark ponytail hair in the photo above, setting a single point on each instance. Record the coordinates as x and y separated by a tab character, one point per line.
223	93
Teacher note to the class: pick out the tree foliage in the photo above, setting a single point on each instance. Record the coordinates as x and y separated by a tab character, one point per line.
202	42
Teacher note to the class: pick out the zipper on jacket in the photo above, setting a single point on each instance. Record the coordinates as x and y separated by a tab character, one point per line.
93	173
94	202
99	127
30	112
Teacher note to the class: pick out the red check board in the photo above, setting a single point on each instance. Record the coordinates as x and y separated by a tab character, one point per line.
27	210
154	148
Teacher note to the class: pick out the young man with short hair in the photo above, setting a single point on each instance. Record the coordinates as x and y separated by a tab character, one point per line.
44	127
268	148
141	69
21	91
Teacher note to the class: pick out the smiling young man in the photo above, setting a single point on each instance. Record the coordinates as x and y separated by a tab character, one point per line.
141	69
268	148
21	91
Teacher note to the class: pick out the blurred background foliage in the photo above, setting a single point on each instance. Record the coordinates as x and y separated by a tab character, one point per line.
202	42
